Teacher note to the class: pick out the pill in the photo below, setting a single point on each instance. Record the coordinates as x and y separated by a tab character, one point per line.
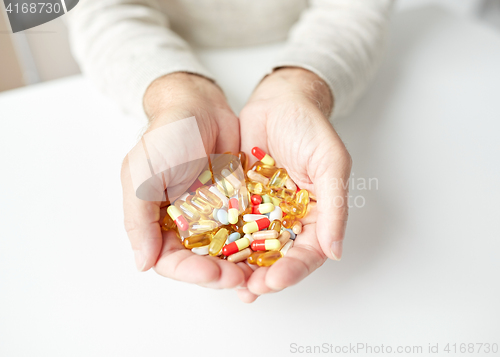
215	247
297	227
290	184
275	225
268	234
197	240
178	218
257	225
234	237
223	185
268	259
243	198
292	234
212	199
235	247
201	180
231	178
216	192
187	210
200	250
288	221
202	206
239	256
222	216
202	226
232	213
256	177
238	226
276	214
279	179
256	200
284	237
263	208
262	156
286	247
256	187
249	237
266	199
264	170
253	217
266	244
275	201
252	259
168	223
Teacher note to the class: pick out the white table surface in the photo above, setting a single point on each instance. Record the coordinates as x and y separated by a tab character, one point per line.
421	260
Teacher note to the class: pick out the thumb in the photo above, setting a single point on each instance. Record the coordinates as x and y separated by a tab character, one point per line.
332	189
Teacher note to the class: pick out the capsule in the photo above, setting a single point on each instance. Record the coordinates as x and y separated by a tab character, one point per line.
297	227
256	177
289	184
263	169
238	226
178	218
268	234
284	238
288	221
263	208
285	194
266	199
256	188
168	223
199	204
279	179
201	180
275	201
262	156
257	225
235	247
232	213
219	194
292	234
224	186
239	256
275	225
200	250
286	247
231	178
256	200
187	210
302	200
198	240
222	216
212	199
293	209
234	237
253	217
243	160
269	258
202	226
276	214
215	247
252	259
243	198
266	244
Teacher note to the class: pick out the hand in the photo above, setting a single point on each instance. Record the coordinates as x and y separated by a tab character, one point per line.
287	116
169	99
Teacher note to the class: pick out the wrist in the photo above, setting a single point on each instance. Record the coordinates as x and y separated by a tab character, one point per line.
295	80
180	89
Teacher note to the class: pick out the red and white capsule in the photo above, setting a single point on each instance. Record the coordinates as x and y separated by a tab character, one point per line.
257	225
178	218
236	246
232	213
201	180
262	156
263	208
266	244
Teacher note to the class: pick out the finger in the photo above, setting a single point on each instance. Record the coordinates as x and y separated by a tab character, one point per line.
257	282
332	192
141	223
246	296
231	275
301	260
229	134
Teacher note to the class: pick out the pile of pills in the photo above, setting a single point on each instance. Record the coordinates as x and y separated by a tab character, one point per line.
239	213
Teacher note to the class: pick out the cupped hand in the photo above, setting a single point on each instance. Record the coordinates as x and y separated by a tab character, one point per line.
168	100
287	116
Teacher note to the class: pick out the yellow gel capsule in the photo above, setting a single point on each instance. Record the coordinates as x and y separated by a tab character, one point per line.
275	225
286	194
293	208
279	179
188	210
212	199
252	259
243	198
217	242
202	226
168	223
256	188
288	221
196	241
199	204
224	186
265	170
256	177
302	198
269	258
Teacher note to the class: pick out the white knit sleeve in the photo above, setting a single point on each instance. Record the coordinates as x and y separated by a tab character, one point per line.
124	45
342	42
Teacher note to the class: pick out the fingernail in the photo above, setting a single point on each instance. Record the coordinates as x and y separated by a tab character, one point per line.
336	250
140	260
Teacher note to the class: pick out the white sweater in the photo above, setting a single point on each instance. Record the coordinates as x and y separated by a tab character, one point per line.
124	45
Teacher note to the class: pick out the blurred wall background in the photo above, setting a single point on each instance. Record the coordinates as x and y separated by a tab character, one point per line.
43	53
